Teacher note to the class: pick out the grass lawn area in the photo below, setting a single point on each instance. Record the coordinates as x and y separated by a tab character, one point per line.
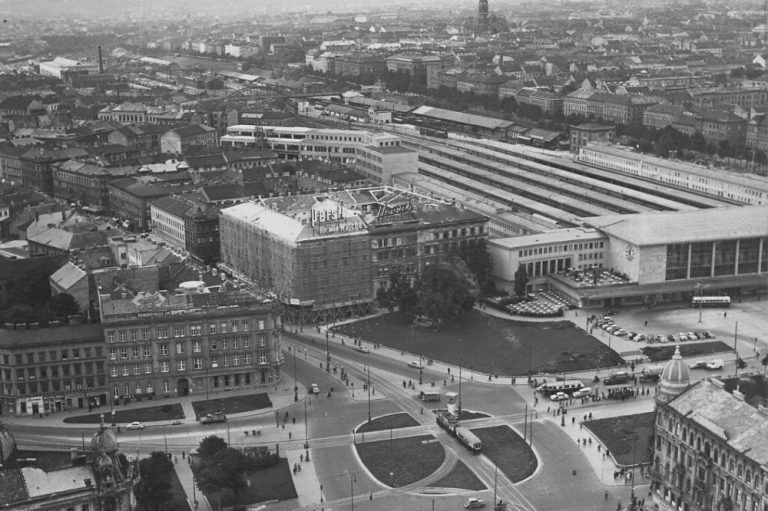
490	344
273	483
508	450
232	404
464	415
407	459
179	502
170	411
460	477
394	421
660	353
627	438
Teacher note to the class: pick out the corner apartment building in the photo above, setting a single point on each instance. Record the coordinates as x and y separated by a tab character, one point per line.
195	340
313	251
623	109
415	65
186	222
757	133
711	449
86	183
51	369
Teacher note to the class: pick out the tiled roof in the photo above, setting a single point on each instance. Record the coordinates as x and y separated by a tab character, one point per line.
41	483
67	276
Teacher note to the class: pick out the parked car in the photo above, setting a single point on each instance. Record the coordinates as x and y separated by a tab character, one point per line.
414	364
650	377
691	336
709	335
473	503
582	392
620	332
362	349
681	336
135	425
715	364
213	418
559	396
314	389
699	364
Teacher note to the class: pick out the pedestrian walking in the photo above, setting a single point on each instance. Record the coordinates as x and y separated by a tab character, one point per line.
301	458
290	435
606	494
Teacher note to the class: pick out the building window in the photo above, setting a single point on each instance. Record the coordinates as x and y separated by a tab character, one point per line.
235	343
196	330
135	351
113	371
262	324
164	349
147	368
147	351
166	386
247	358
112	353
224	344
123	353
136	369
181	365
164	366
178	331
212	328
145	334
196	347
110	336
198	363
262	359
234	326
134	335
223	327
179	348
246	342
214	361
244	325
235	360
125	370
122	335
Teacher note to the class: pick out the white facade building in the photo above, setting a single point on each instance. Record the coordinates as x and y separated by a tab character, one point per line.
743	188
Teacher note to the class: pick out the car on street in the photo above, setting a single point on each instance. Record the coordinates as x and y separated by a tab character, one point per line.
715	364
213	418
135	425
414	364
314	389
559	396
362	349
699	364
473	503
582	392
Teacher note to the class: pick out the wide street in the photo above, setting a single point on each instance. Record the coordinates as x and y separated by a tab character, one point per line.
569	475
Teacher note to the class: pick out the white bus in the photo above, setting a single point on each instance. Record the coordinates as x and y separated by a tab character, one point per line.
711	301
553	387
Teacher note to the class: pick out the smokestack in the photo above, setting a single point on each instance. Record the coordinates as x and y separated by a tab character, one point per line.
101	62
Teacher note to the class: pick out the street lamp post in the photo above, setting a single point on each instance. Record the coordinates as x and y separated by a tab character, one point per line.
327	354
295	381
369	392
460	361
701	294
421	369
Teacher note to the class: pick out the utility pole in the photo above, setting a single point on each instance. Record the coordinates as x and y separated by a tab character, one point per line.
369	392
295	381
460	361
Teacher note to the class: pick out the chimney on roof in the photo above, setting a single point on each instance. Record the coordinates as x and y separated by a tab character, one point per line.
101	62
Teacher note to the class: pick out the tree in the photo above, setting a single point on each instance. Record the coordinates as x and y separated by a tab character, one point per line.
154	489
521	280
442	294
225	470
63	305
478	260
210	445
764	361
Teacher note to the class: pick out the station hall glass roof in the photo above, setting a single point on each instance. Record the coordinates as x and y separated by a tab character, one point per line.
672	227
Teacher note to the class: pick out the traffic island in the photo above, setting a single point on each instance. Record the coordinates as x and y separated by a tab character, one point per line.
402	461
628	438
393	421
232	404
170	411
508	451
460	477
662	353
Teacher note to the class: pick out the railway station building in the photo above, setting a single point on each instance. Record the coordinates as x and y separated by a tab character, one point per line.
645	258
